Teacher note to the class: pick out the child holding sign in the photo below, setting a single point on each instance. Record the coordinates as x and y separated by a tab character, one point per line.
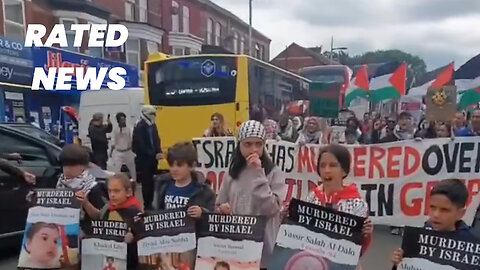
333	167
122	206
447	207
254	185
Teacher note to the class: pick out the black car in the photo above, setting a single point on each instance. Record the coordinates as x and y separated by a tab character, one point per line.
38	157
35	132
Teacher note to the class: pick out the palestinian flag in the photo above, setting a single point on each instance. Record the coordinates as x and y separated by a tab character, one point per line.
359	86
438	77
467	80
388	82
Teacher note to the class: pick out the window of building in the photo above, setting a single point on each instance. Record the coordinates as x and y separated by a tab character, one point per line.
152	47
132	52
178	51
143	11
257	50
262	52
235	43
175	17
70	34
242	45
186	20
14	21
209	31
130	10
218	33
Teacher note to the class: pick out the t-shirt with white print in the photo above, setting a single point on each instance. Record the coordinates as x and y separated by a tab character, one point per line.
178	197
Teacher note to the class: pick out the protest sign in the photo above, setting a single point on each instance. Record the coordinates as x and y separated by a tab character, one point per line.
428	249
104	246
441	103
230	241
315	237
394	178
166	239
51	233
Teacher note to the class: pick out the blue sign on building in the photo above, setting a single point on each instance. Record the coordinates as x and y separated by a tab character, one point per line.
16	65
53	57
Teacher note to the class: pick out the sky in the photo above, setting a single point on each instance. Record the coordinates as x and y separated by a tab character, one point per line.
439	31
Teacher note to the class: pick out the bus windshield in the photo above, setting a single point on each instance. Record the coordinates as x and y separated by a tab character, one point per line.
192	81
324	75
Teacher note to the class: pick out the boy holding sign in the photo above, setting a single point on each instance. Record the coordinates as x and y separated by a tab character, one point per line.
447	207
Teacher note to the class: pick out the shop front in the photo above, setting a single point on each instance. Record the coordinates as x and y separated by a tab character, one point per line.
16	69
49	105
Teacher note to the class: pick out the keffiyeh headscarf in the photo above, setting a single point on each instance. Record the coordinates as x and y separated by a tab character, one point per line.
252	129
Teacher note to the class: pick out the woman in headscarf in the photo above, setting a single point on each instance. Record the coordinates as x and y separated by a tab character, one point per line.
312	132
287	131
297	123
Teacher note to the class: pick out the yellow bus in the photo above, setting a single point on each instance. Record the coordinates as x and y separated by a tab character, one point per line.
187	90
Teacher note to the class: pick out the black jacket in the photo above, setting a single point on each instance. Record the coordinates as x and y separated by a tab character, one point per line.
203	195
98	136
140	142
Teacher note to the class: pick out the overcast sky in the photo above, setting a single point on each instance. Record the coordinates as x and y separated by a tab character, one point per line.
439	31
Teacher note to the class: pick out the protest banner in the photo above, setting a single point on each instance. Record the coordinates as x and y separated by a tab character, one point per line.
104	246
394	178
230	242
51	233
427	249
315	237
166	239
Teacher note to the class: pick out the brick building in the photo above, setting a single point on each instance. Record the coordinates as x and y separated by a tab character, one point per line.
295	57
178	27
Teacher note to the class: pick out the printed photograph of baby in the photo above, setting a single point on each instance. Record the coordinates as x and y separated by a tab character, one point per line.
168	261
289	259
203	263
101	262
49	246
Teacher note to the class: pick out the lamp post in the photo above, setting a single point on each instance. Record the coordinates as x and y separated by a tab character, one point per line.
332	49
250	27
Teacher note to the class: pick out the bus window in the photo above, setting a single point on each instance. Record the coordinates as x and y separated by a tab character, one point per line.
192	81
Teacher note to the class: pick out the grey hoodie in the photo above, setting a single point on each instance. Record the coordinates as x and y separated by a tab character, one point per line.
253	193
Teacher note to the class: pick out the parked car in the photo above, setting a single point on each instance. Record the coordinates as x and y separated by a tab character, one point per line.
35	132
39	157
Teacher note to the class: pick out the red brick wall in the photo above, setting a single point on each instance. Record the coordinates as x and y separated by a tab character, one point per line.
116	7
293	58
155	12
39	13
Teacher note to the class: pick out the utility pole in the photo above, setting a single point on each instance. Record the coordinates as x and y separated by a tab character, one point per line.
250	27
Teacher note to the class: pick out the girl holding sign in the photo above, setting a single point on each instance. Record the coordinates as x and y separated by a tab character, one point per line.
254	184
333	167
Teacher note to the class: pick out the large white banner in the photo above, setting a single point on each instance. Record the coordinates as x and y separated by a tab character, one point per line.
394	178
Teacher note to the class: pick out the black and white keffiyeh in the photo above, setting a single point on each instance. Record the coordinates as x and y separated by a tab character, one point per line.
252	129
84	182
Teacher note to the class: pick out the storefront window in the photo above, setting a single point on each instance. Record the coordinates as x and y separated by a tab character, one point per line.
14	21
